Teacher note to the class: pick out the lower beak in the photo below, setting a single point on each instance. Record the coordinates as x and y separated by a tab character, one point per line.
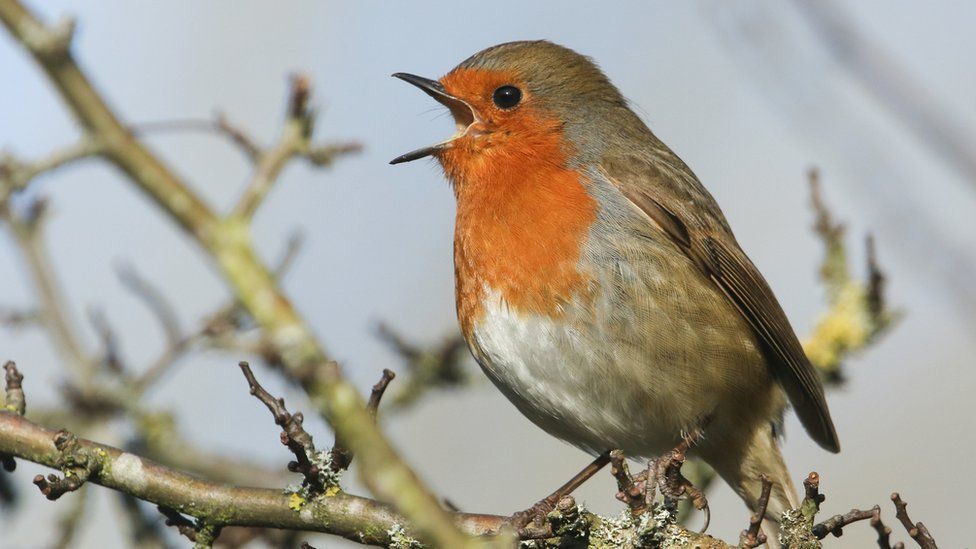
462	112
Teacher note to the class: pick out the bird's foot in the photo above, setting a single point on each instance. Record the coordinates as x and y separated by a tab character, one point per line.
533	522
674	485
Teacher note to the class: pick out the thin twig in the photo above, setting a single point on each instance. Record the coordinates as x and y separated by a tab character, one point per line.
917	531
154	299
111	357
359	519
341	456
835	524
54	310
220	125
294	136
293	435
14	400
16	174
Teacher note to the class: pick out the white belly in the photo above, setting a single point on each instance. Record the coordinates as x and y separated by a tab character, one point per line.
613	379
575	390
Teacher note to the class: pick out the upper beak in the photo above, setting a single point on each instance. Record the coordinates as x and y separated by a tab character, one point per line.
462	112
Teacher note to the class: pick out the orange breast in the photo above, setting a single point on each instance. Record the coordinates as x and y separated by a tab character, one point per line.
522	218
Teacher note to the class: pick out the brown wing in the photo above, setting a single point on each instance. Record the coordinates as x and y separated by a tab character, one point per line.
674	199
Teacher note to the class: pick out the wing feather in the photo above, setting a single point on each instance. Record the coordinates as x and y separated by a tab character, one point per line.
695	224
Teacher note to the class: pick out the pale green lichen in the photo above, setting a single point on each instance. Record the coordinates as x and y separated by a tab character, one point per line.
795	531
329	476
399	539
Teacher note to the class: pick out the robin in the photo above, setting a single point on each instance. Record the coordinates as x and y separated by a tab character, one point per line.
599	285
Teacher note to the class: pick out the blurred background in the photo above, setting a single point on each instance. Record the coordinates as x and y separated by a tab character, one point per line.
877	95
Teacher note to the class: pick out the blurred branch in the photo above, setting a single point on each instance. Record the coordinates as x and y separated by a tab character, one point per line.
227	241
295	141
341	456
220	125
437	366
70	521
857	313
16	174
214	506
892	86
53	307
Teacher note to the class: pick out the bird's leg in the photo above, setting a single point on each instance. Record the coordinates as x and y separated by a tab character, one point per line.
674	485
536	515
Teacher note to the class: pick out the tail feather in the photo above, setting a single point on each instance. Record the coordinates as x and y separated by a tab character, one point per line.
743	463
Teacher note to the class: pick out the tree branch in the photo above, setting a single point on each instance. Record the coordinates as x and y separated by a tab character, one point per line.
359	519
227	241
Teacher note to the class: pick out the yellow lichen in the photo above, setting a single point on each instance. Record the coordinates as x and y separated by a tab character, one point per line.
296	502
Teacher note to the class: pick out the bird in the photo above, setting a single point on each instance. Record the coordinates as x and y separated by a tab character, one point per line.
599	285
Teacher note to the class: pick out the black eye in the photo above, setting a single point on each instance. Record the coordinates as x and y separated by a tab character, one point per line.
507	97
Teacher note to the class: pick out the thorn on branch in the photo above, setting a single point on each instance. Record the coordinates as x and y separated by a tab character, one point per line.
752	537
293	435
917	531
341	457
15	400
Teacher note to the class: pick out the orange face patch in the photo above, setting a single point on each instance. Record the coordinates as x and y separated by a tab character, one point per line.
522	214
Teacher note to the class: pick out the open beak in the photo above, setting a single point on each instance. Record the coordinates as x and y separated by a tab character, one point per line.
462	112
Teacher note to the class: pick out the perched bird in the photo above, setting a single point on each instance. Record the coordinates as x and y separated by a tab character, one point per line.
598	283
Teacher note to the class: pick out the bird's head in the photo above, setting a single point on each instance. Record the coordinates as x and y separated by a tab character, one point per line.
523	101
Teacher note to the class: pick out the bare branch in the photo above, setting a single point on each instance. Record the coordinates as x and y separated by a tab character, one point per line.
341	457
77	462
15	401
435	366
857	313
293	435
16	174
157	303
835	524
294	137
359	519
111	357
917	531
54	310
220	125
